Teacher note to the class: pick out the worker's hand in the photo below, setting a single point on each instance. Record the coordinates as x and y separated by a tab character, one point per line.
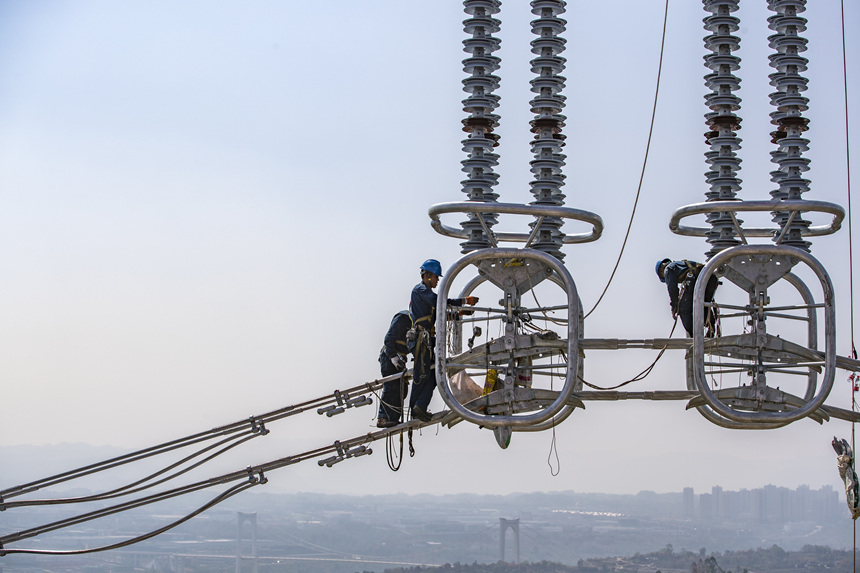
398	362
471	300
674	310
464	312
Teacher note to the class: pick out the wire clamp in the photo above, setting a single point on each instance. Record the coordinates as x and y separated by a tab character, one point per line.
344	453
258	428
344	401
259	478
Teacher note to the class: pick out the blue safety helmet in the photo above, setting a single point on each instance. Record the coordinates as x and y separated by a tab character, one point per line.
657	269
432	266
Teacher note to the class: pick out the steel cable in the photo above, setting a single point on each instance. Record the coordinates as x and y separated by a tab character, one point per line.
218	499
254	424
130	488
644	164
850	249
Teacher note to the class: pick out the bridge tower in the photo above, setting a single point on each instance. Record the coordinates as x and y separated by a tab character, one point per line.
252	519
504	525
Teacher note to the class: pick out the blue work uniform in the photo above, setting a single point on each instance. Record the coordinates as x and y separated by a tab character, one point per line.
394	344
422	310
684	273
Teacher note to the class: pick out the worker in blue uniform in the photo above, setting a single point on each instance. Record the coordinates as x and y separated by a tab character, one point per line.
422	339
680	278
392	360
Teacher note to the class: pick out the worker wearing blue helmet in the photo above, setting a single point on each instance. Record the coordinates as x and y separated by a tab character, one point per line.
680	279
422	310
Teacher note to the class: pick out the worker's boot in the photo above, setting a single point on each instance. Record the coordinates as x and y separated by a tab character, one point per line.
420	413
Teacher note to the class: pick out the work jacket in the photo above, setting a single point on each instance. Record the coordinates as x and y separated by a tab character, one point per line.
422	307
677	273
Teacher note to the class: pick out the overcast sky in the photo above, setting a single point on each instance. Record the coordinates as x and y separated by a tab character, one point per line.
212	209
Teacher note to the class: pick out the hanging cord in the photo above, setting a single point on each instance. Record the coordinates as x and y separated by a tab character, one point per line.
393	458
553	447
642	375
402	396
644	164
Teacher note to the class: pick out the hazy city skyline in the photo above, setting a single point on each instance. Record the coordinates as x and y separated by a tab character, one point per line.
213	210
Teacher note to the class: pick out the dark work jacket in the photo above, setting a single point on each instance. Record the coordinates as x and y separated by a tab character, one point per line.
395	339
422	306
675	274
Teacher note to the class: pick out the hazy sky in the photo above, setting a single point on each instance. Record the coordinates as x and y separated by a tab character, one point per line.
212	209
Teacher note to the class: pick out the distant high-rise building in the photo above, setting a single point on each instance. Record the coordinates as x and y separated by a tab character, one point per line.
730	505
745	504
800	506
717	501
706	507
831	507
759	510
689	503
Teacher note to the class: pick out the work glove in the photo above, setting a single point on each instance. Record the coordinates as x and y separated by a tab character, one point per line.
398	362
471	300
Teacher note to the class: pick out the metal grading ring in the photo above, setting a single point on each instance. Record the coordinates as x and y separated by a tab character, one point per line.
444	384
812	341
741	206
516	209
698	368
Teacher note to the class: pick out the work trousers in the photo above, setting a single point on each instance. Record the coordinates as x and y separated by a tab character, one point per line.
423	376
685	305
393	392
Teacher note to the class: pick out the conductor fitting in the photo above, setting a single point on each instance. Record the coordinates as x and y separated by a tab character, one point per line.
258	427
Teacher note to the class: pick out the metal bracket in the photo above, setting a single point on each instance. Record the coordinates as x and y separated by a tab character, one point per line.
757	272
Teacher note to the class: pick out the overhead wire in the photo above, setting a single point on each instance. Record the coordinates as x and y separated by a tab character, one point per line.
246	428
130	488
236	489
251	476
644	163
850	247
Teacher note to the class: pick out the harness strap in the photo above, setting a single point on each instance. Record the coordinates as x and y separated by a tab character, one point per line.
693	269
